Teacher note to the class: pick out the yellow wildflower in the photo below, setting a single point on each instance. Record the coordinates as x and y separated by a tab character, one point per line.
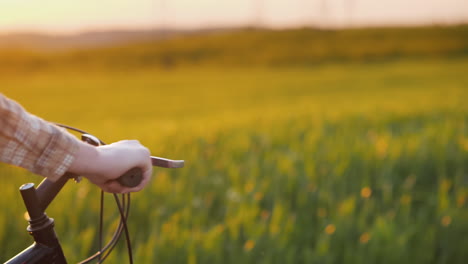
461	200
258	196
446	220
249	245
405	199
330	229
381	146
249	187
264	214
366	192
364	238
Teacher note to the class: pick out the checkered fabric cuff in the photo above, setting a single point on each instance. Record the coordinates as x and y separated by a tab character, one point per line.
58	155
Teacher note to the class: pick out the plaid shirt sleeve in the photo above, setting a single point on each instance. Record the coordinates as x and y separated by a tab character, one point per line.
30	142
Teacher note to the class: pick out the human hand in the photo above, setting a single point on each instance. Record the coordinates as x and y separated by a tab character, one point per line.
104	164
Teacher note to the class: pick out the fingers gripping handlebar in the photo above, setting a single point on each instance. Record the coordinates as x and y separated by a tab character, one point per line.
134	176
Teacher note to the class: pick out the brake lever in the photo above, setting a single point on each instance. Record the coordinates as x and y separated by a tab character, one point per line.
167	163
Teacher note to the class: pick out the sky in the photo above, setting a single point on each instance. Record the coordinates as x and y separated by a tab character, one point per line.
66	16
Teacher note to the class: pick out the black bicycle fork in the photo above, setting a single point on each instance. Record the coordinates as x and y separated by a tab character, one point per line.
46	247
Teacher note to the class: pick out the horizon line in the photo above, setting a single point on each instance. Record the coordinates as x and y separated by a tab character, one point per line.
156	28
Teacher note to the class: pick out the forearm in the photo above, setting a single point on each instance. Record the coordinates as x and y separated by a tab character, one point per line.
45	149
33	143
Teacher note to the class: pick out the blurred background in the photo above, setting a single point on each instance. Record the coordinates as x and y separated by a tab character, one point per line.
314	131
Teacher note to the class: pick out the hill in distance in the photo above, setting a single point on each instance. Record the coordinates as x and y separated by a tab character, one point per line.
86	40
239	47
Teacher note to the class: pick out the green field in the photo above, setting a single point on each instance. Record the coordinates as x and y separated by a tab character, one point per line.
341	161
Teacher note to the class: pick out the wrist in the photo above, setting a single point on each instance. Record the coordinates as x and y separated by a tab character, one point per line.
86	158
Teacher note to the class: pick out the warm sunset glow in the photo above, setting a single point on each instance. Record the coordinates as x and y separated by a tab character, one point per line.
71	16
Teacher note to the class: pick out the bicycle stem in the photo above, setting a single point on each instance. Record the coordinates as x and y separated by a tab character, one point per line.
47	190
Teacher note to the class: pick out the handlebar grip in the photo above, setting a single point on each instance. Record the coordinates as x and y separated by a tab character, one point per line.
131	178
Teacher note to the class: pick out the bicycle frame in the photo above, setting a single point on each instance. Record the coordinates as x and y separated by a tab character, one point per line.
46	247
35	254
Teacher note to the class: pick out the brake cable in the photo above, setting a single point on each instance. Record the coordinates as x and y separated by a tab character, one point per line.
124	209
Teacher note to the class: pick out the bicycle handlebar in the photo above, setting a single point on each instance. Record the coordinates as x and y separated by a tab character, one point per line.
131	178
134	176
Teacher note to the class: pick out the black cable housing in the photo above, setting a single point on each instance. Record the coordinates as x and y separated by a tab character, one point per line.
123	208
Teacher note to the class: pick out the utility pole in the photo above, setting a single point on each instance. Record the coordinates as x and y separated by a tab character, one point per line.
258	13
350	6
162	15
323	14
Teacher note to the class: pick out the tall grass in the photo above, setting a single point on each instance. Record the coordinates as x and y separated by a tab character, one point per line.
339	163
